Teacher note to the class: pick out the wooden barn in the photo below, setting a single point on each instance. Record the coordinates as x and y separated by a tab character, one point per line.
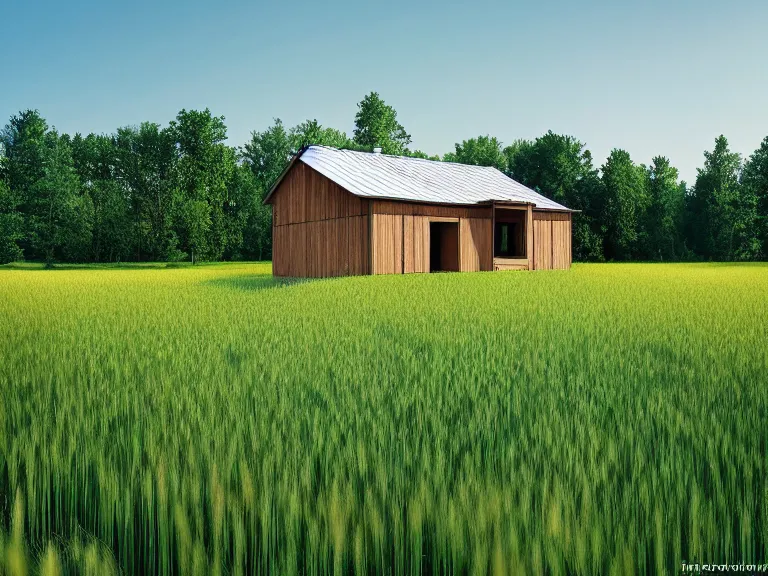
340	212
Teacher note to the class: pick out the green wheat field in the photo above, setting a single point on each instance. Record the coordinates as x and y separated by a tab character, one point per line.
612	419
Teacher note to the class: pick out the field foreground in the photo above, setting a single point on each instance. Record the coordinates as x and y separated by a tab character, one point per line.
610	419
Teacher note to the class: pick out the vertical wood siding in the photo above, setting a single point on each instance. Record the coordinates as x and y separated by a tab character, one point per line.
552	240
476	239
401	236
529	243
320	249
319	229
412	209
388	243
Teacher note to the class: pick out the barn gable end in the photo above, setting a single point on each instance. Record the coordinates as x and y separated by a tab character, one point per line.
319	229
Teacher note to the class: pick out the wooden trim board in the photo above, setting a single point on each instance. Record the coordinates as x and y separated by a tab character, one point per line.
442	219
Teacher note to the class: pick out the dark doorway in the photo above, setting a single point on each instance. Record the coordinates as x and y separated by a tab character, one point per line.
443	246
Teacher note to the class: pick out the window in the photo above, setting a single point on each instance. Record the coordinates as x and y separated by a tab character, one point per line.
509	240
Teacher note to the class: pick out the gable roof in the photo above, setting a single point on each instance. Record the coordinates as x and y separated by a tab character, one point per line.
386	177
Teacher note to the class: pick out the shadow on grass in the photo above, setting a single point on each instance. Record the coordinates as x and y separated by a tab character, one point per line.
122	265
34	266
255	282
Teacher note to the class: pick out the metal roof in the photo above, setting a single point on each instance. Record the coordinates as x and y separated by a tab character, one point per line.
416	180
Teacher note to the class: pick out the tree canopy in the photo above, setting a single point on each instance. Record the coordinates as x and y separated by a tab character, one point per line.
182	192
376	125
480	151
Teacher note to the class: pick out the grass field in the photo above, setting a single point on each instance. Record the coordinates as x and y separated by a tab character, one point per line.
610	419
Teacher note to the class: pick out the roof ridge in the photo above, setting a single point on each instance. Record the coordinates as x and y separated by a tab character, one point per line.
404	157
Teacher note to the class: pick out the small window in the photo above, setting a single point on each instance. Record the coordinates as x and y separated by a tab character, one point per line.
504	238
509	241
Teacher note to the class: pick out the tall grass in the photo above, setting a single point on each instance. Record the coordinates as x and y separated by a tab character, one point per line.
608	420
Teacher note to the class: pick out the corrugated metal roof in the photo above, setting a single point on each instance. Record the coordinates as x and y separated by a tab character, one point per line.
417	180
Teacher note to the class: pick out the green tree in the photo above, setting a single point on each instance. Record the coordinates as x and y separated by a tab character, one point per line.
312	133
242	199
24	150
663	223
59	219
11	226
424	155
202	171
44	189
560	167
520	156
95	160
267	154
625	201
257	233
755	182
480	151
376	125
145	158
722	212
196	223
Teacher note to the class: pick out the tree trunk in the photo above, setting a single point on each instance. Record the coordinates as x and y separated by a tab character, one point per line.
49	259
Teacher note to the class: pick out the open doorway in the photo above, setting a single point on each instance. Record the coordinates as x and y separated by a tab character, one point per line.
443	246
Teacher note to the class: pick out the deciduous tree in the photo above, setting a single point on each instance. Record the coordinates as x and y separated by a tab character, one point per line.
145	157
202	169
480	151
311	133
23	148
267	154
755	181
376	125
95	160
624	204
560	167
722	212
59	218
11	226
663	224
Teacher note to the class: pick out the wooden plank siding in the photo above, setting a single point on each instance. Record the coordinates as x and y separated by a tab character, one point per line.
476	244
305	195
436	210
529	236
319	229
400	234
388	244
552	240
320	249
510	264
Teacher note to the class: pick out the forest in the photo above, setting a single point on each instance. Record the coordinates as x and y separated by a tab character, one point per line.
180	193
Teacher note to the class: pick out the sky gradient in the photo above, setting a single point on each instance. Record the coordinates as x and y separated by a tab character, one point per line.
651	77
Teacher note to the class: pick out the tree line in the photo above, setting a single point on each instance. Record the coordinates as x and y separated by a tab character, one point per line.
180	193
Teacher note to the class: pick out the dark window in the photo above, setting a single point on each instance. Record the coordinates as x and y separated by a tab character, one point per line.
509	242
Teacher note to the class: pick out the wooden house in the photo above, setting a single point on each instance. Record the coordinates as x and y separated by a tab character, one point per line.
341	212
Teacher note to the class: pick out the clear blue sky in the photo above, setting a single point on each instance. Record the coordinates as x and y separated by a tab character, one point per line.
652	77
